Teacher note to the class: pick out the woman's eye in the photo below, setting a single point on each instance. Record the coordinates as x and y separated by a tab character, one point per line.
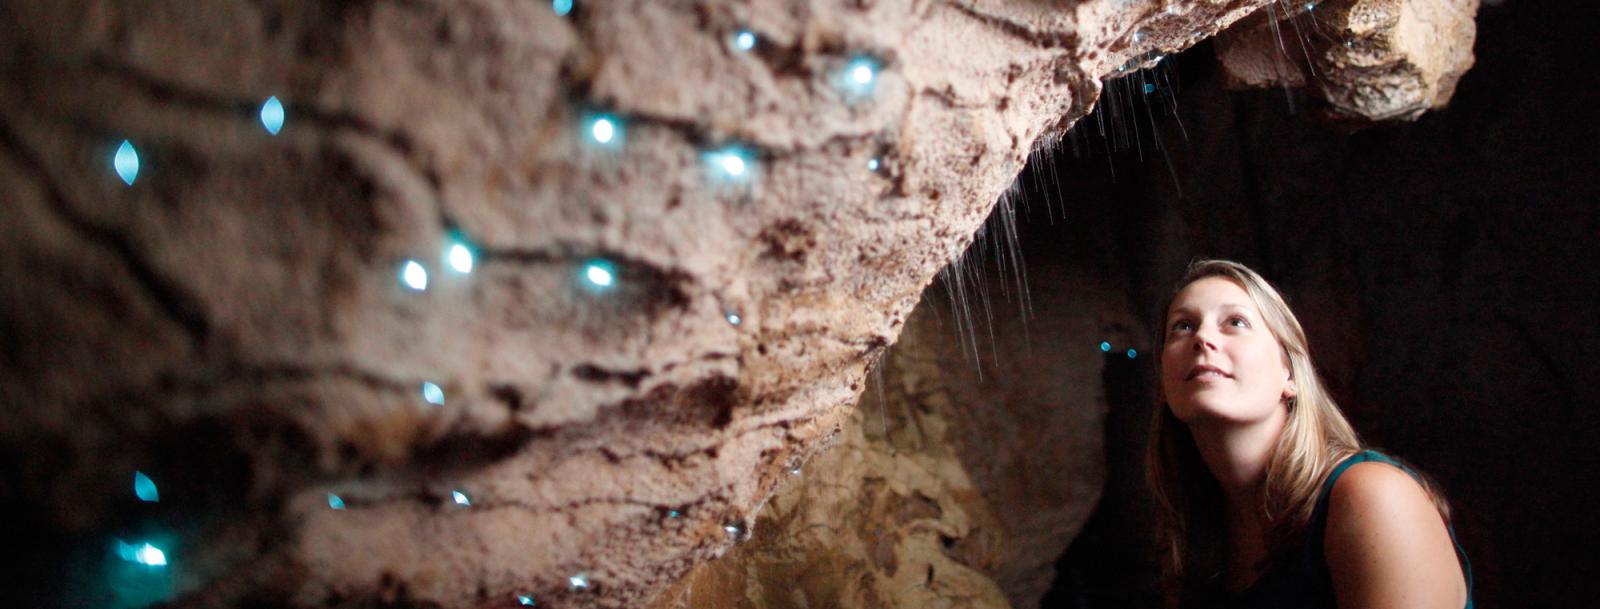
1181	325
1240	322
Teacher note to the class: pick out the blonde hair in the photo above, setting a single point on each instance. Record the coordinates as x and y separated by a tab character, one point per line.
1315	439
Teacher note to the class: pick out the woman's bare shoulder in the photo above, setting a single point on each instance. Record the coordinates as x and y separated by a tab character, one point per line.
1386	544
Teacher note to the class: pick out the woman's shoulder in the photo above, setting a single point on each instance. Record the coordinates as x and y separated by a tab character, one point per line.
1384	534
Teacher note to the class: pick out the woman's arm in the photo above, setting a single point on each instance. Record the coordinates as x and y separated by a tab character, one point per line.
1386	545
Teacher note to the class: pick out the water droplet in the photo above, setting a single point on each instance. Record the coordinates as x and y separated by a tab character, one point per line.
126	162
1105	346
1138	37
145	488
794	471
335	502
414	275
744	40
460	498
873	164
673	513
561	7
432	393
1132	353
734	530
1149	88
733	318
272	115
526	600
1311	5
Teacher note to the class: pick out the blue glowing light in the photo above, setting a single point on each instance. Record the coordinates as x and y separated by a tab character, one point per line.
526	600
145	554
1311	5
744	40
335	502
672	513
460	498
1105	346
860	75
414	276
561	7
272	115
733	318
459	257
730	162
145	488
1149	88
604	129
126	162
578	582
432	393
873	164
732	529
599	274
1132	354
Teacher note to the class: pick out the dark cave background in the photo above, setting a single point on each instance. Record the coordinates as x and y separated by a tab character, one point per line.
1444	270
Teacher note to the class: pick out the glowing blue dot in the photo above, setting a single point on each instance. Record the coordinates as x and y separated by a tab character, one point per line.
730	162
272	115
126	162
744	40
561	7
432	393
672	513
732	165
145	488
335	502
1132	354
733	318
578	582
603	130
414	276
599	273
460	498
1311	5
459	257
873	164
143	554
1149	88
862	73
1105	346
735	531
526	600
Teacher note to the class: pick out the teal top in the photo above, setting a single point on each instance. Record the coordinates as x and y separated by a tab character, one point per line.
1304	582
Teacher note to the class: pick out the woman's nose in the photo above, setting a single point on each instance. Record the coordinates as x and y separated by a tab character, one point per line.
1203	342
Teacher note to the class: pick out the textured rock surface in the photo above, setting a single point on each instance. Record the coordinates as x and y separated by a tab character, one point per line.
984	477
1367	60
232	324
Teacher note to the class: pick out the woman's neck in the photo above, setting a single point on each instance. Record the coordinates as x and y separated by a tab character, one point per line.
1237	456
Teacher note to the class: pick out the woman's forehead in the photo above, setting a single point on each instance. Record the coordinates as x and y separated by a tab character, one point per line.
1211	294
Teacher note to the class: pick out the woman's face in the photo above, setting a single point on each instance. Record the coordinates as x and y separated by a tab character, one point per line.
1221	362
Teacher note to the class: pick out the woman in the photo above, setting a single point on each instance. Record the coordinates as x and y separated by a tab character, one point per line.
1266	495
